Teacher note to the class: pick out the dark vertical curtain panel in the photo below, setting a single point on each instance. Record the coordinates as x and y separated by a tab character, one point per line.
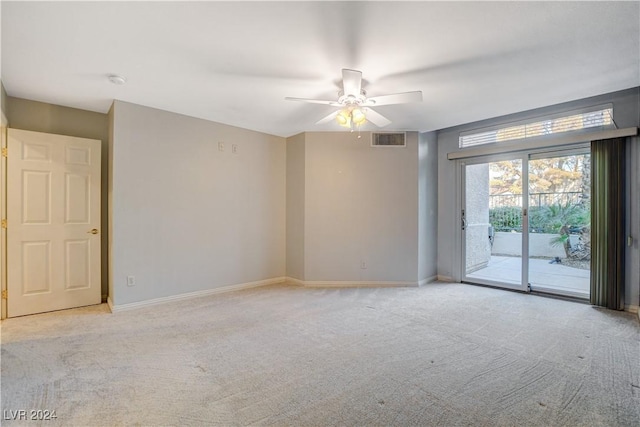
608	223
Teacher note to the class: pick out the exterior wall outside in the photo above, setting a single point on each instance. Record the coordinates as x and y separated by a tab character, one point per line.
188	217
49	118
626	110
510	244
478	250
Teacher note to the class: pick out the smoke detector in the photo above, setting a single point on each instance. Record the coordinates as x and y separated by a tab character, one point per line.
116	79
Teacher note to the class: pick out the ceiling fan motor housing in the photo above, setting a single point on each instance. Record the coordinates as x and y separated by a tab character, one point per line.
351	99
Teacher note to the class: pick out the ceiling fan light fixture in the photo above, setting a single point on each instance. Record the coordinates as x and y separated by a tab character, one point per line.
344	118
357	116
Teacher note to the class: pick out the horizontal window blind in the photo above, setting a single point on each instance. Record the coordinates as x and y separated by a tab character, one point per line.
571	122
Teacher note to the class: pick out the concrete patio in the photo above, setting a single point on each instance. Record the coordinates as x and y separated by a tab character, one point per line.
555	278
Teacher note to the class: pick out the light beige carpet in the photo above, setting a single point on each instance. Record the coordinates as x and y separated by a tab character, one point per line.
443	354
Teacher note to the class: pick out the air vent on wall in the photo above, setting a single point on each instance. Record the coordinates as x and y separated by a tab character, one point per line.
388	139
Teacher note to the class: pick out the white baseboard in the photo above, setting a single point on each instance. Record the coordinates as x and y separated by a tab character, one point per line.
351	283
427	280
294	281
631	308
190	295
444	278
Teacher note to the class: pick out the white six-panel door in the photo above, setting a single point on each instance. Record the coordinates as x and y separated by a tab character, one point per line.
53	216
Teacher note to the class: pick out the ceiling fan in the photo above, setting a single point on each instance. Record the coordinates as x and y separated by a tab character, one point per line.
355	107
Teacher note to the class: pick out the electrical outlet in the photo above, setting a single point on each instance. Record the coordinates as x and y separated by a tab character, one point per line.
363	265
234	148
131	280
220	146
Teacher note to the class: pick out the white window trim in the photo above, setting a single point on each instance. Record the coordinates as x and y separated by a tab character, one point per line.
535	120
549	141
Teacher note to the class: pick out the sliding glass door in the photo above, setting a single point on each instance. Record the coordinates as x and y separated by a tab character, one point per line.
492	219
525	222
560	223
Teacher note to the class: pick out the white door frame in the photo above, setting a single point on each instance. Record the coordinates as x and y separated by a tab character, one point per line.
525	156
462	163
3	215
546	154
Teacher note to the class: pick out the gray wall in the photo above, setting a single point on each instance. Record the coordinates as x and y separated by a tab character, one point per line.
3	98
186	216
626	114
361	205
427	205
295	206
49	118
632	261
43	117
349	203
110	195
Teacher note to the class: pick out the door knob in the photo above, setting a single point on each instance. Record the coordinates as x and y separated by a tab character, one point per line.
93	231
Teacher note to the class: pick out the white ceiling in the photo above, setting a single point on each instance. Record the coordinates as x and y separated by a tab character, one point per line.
235	62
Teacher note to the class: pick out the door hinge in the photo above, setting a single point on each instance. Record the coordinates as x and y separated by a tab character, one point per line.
4	224
4	294
5	152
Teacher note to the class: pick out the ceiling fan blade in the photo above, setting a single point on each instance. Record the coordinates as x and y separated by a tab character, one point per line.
313	101
395	98
351	82
376	118
328	118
